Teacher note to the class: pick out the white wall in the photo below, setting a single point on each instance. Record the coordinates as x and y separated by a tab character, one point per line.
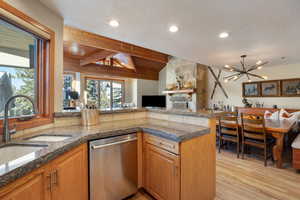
146	87
234	89
162	82
45	16
128	84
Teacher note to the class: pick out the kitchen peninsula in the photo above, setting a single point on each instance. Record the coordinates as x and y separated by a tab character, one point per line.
175	146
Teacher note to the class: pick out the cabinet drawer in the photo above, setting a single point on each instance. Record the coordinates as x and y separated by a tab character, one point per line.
165	144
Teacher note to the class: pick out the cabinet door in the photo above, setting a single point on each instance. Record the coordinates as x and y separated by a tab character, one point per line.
162	173
33	187
70	175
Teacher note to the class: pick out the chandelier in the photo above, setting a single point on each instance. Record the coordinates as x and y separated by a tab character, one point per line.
244	71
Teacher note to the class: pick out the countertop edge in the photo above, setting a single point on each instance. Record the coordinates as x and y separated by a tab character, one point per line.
183	113
78	113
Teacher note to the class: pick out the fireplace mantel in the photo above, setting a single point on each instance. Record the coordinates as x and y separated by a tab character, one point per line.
182	91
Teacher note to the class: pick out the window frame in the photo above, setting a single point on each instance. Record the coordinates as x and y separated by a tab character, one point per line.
45	68
73	75
111	80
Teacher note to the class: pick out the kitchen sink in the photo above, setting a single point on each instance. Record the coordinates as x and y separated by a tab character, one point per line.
15	153
49	138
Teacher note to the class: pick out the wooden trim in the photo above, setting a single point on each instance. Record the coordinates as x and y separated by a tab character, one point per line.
96	57
104	79
140	73
93	40
140	153
7	7
45	87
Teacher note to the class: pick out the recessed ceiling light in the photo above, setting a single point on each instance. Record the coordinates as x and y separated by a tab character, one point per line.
226	66
173	29
265	77
114	23
74	48
260	67
223	35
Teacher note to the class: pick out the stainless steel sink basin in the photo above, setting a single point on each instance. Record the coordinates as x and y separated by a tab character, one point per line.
49	138
16	153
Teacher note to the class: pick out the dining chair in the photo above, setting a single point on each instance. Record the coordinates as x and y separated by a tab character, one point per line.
228	130
254	134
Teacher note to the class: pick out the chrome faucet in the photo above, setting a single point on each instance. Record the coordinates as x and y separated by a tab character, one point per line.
6	132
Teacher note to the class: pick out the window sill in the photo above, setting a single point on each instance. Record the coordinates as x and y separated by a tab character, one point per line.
21	125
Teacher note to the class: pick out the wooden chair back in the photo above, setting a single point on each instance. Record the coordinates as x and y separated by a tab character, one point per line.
253	126
228	124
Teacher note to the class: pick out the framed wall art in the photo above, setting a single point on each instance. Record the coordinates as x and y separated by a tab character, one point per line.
290	87
270	88
251	89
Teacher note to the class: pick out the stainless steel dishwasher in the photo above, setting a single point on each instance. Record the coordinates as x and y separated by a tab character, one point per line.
113	167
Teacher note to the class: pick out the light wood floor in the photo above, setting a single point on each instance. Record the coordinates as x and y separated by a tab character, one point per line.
248	179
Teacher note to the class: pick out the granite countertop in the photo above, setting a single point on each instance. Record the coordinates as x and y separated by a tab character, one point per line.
14	169
200	113
77	113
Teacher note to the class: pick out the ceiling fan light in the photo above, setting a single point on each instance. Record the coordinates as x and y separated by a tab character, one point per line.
249	80
227	66
259	62
265	77
260	67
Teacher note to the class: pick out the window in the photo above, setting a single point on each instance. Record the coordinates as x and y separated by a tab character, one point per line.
18	68
67	88
26	67
105	94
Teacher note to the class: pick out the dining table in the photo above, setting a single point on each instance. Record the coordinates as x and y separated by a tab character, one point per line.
278	129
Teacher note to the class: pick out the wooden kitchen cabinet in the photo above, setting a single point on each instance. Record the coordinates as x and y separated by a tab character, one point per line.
70	175
162	173
63	178
178	171
32	187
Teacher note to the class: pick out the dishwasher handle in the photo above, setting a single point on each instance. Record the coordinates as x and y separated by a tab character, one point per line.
113	143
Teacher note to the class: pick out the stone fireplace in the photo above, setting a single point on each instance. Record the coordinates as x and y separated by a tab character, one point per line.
193	73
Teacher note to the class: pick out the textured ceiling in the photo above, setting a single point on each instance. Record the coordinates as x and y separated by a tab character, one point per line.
263	29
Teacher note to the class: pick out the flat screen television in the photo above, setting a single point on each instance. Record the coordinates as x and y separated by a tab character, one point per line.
158	101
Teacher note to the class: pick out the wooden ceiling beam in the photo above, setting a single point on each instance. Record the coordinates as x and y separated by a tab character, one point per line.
140	73
93	40
96	57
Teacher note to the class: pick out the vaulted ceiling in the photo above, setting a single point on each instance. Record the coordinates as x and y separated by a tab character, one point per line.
263	29
91	53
